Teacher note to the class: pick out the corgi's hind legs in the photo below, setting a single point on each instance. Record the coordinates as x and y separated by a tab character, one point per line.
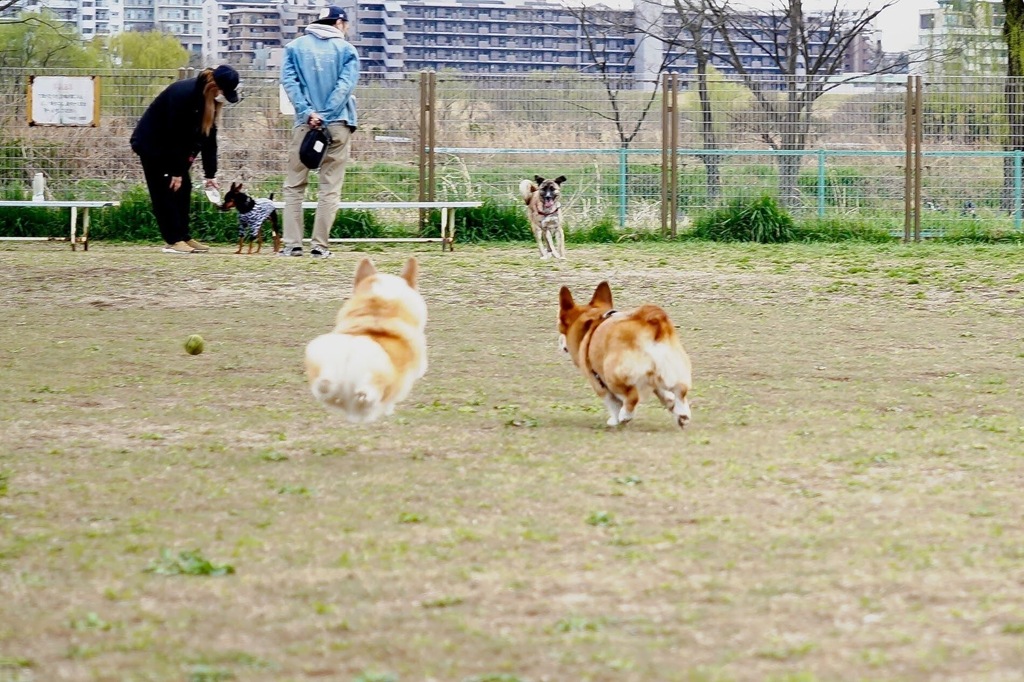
676	402
614	406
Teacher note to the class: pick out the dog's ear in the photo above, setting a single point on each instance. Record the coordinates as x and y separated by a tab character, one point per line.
565	302
236	186
602	296
538	179
560	179
411	271
364	270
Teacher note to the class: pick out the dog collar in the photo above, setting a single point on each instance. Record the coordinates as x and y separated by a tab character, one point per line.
557	207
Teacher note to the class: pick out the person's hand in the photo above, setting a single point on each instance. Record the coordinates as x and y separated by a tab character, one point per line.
212	182
315	121
175	183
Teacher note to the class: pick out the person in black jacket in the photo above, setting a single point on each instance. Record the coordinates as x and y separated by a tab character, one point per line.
178	125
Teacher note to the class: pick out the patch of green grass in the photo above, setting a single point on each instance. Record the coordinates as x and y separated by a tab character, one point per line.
577	624
187	562
600	518
375	677
442	602
206	673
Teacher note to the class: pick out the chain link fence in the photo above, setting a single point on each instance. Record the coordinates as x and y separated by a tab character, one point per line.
832	153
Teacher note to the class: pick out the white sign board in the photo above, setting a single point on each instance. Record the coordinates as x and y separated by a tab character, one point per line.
63	100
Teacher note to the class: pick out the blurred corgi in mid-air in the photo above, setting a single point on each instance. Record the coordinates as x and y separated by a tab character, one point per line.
378	348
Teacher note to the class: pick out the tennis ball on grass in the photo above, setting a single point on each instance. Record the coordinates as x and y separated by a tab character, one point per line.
194	344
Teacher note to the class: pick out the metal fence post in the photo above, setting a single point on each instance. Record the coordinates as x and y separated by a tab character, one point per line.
427	139
821	183
623	160
1017	188
918	143
674	187
664	153
669	153
908	161
913	142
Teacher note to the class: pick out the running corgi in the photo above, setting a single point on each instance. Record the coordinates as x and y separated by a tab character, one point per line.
626	355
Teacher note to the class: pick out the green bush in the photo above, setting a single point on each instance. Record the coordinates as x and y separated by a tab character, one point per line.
130	222
133	221
761	221
604	231
33	222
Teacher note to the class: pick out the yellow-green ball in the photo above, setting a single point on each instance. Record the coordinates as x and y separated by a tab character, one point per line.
194	344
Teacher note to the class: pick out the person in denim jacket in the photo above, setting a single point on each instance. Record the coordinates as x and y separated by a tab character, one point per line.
319	74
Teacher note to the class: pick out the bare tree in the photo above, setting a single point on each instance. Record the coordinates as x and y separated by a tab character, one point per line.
806	49
627	107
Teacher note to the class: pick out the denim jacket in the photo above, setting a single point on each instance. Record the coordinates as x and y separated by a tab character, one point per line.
319	73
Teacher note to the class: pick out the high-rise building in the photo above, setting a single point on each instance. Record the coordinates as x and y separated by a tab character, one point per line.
395	37
958	38
90	17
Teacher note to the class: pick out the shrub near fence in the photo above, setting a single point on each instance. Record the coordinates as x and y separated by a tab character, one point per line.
493	131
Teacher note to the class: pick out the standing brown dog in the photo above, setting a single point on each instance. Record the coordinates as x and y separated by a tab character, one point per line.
545	213
626	355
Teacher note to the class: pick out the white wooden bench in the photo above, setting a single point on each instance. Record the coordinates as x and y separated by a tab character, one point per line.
447	209
74	206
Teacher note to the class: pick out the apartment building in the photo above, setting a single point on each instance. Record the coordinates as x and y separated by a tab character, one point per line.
958	38
515	36
91	17
395	37
245	33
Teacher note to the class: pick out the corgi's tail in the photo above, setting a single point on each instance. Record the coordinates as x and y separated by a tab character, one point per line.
657	320
526	189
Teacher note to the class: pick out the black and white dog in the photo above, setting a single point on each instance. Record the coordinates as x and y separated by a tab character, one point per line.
252	213
545	213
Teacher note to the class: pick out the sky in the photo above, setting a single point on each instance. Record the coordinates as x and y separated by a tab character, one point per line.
896	26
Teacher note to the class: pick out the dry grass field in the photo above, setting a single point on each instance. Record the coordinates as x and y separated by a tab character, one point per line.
846	504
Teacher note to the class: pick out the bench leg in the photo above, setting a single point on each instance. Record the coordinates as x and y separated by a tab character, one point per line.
85	228
448	228
74	225
444	228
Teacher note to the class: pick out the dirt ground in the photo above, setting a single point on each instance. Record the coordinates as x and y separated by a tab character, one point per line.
846	504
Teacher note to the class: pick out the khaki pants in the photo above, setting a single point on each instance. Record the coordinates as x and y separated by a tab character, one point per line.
332	176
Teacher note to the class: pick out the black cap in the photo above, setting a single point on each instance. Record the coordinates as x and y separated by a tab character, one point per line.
226	79
331	14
